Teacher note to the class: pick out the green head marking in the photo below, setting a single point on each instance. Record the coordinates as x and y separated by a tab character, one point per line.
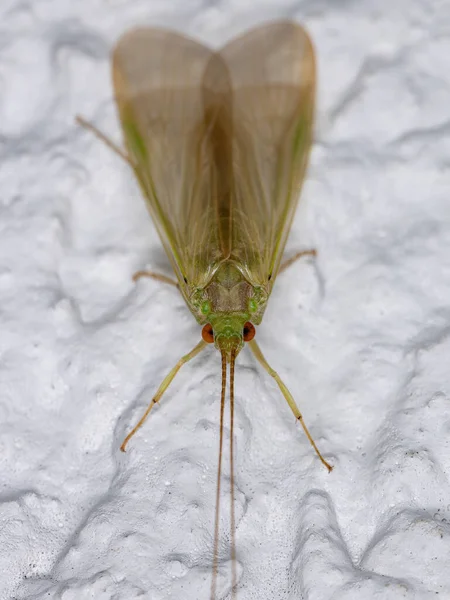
205	307
252	305
228	337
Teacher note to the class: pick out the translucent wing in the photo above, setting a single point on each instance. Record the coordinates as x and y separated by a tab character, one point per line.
174	98
272	70
220	143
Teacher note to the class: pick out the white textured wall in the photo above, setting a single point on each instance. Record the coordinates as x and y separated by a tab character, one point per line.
361	336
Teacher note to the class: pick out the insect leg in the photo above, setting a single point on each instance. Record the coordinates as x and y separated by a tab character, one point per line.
162	388
101	136
157	276
287	263
288	396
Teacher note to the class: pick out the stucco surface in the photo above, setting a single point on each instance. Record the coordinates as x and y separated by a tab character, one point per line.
361	335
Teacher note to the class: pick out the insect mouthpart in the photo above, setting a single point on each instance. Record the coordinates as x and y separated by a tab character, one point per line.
229	335
229	345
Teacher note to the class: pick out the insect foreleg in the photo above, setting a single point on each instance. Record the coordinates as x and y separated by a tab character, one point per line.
162	388
288	396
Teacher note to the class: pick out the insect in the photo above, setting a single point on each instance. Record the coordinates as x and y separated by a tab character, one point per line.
219	143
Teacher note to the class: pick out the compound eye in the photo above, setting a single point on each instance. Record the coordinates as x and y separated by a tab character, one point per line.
208	334
249	331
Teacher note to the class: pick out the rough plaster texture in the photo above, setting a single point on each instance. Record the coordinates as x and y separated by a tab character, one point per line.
362	336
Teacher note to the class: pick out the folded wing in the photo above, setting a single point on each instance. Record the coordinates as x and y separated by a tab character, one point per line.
174	129
272	69
220	143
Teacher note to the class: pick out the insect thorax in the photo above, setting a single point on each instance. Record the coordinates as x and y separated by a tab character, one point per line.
228	293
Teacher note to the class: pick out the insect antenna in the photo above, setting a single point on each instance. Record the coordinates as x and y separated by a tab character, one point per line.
232	519
219	473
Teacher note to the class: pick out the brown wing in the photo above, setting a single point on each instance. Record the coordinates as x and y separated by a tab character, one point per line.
173	96
220	143
272	69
